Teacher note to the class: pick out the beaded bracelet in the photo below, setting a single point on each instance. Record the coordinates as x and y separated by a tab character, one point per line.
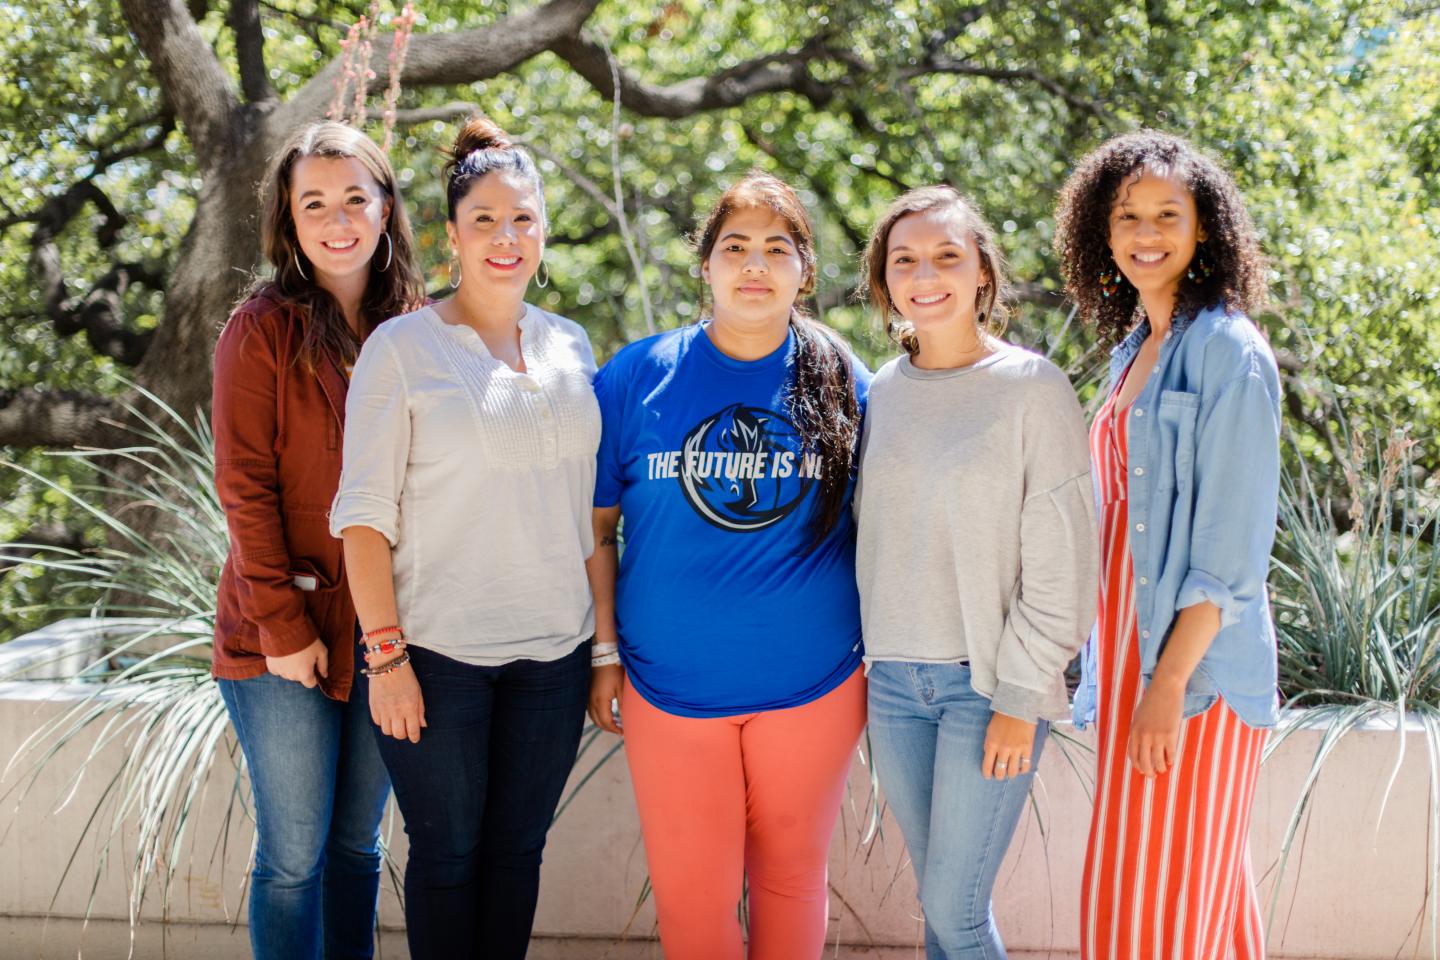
390	667
385	647
394	628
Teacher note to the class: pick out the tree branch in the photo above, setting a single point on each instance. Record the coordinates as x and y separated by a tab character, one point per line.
436	59
773	73
244	20
189	74
34	417
966	68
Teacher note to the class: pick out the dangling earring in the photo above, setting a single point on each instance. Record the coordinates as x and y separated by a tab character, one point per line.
455	273
980	296
1199	269
389	250
296	253
545	270
1109	281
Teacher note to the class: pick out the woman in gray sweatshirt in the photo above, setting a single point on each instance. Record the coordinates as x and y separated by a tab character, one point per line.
977	558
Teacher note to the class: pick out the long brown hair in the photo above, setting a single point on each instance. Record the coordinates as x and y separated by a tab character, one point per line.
822	398
390	290
992	303
1233	271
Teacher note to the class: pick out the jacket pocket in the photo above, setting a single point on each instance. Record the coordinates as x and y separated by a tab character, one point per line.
1175	453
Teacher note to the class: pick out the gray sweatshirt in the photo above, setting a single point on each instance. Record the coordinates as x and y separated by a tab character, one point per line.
977	536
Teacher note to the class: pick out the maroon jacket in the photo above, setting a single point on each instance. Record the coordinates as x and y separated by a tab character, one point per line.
277	431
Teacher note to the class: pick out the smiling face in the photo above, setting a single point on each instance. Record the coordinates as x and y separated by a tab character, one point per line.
933	269
1154	230
754	270
498	233
339	212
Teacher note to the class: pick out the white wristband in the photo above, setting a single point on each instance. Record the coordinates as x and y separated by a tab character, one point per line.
604	660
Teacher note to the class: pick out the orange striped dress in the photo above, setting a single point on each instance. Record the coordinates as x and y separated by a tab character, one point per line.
1167	871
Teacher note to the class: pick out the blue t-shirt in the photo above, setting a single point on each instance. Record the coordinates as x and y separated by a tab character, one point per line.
720	608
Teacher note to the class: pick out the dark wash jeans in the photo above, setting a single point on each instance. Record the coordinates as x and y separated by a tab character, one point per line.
478	792
320	790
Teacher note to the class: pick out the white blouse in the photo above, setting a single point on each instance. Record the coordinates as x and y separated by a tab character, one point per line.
481	479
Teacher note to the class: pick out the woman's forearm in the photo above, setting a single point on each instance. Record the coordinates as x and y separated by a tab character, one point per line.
371	578
601	569
1195	629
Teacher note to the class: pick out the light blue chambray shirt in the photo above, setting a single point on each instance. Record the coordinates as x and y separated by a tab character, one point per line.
1204	477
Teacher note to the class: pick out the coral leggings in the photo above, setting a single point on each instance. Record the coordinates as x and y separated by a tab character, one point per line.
754	797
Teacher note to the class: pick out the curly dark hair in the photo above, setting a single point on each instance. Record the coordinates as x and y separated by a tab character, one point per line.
1082	231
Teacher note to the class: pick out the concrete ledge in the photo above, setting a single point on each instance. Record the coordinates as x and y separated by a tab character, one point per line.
1354	888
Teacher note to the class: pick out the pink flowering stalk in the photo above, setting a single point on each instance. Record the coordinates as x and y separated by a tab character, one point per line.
400	45
345	74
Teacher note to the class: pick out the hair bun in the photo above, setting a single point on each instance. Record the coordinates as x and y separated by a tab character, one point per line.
479	133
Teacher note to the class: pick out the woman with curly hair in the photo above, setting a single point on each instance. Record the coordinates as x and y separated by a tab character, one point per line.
1159	254
976	558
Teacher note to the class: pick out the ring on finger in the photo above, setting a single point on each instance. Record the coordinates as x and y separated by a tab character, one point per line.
1024	761
1001	766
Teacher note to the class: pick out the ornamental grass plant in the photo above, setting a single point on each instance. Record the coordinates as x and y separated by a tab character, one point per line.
1355	586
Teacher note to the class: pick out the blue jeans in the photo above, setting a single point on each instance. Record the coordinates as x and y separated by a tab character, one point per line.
320	790
478	793
927	736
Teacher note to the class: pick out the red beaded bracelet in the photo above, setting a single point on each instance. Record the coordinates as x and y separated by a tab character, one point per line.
365	638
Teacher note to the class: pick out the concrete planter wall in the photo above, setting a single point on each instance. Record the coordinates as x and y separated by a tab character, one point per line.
1354	889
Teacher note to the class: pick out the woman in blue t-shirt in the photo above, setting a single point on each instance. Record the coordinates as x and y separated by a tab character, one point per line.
729	446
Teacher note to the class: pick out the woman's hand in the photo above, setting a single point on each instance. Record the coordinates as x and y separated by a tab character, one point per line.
303	665
1008	742
1155	728
606	684
396	705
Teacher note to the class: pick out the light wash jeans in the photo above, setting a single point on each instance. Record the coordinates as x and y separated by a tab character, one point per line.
320	790
927	734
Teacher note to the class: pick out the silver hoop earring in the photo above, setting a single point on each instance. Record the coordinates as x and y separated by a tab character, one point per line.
389	250
456	275
297	264
545	269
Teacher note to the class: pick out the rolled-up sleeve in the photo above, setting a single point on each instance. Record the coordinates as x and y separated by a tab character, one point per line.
377	443
1237	483
243	419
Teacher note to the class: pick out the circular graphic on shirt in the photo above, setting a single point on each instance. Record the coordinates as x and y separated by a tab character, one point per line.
741	468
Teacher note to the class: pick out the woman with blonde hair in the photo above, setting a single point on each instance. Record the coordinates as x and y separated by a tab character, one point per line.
336	236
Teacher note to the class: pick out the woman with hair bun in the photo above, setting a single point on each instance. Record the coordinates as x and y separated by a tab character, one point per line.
336	236
976	557
729	447
1159	254
465	511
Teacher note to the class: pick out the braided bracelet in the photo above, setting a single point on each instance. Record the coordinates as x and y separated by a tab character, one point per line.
390	667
